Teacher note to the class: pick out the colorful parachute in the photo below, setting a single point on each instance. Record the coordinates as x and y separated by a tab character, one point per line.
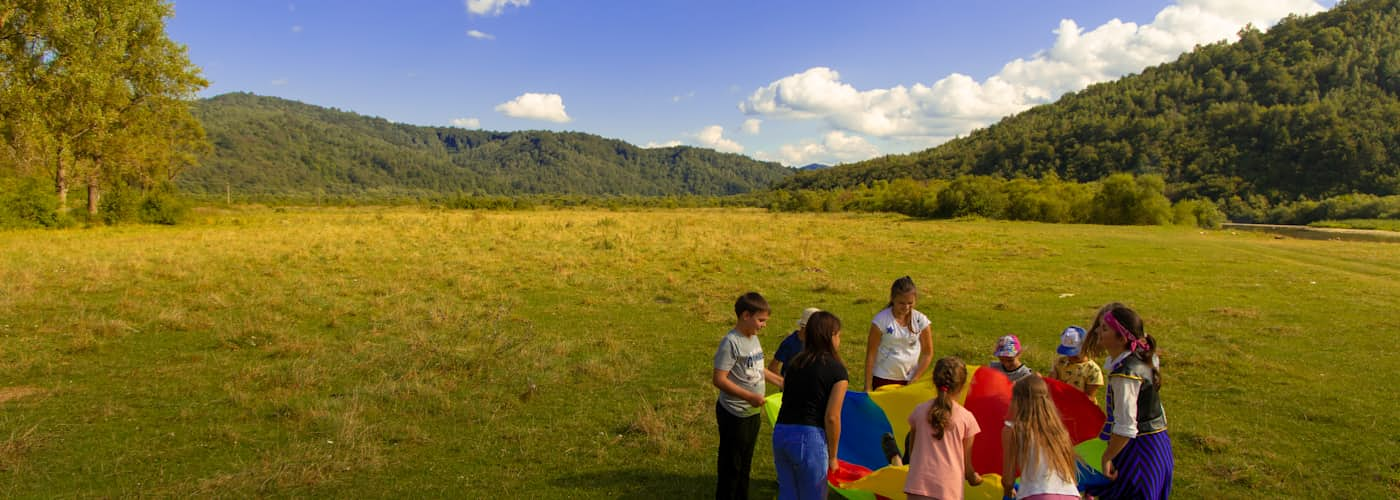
865	417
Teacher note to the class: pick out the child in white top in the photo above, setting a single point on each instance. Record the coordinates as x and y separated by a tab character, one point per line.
1034	441
899	347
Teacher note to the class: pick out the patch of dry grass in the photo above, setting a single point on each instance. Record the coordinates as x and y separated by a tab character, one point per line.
16	447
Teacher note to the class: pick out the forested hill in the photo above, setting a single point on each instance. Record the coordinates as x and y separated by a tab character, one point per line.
1311	108
271	146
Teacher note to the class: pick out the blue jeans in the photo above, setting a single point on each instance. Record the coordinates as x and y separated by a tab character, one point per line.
799	454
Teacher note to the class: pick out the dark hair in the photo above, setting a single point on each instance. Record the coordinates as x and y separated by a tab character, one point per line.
821	328
1130	320
949	375
900	287
750	303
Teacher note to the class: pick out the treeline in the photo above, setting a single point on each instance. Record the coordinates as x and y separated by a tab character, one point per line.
1120	199
468	201
93	97
1344	207
1305	111
269	147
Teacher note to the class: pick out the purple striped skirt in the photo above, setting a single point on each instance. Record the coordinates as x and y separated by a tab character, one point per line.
1144	470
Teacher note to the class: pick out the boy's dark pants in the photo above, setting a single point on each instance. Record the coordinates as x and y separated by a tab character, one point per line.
737	436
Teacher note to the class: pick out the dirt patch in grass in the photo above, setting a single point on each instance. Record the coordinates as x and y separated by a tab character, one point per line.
1205	443
8	394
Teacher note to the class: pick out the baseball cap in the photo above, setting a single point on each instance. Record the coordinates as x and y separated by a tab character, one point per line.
1008	345
807	314
1070	341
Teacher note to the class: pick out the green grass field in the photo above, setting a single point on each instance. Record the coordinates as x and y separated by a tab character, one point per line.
411	352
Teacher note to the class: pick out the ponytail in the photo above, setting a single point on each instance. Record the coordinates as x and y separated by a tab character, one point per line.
949	375
1149	357
939	412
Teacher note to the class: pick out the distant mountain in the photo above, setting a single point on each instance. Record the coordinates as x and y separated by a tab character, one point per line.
1309	109
813	166
272	146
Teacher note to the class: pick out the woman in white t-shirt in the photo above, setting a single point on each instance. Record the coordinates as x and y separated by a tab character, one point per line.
899	347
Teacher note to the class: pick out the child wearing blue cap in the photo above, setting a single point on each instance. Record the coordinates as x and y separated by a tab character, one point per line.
1073	367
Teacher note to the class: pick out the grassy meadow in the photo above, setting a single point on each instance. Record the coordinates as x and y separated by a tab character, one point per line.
1377	224
411	352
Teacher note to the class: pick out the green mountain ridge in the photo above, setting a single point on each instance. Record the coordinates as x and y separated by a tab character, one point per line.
272	146
1308	110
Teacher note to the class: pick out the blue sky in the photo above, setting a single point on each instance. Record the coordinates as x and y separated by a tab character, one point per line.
783	80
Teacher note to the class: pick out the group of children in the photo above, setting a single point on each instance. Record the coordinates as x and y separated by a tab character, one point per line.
1036	446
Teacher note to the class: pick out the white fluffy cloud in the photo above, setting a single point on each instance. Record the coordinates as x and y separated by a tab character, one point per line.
957	104
480	35
713	137
667	144
835	147
493	7
752	126
532	106
466	122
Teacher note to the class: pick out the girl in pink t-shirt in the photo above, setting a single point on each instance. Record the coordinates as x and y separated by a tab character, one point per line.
943	430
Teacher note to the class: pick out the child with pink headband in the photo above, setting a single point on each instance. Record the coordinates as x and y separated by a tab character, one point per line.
1138	460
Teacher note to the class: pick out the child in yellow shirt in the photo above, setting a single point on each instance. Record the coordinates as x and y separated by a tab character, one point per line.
1073	367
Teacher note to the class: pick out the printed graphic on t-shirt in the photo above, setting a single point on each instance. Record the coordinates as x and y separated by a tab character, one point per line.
749	365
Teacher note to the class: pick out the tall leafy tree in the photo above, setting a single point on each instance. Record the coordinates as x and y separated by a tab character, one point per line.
94	84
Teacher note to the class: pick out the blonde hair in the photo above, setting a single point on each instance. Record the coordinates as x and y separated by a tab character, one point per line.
1036	428
949	375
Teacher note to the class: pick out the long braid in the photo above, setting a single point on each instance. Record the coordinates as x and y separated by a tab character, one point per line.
949	375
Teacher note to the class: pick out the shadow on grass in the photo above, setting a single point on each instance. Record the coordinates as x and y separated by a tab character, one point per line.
638	484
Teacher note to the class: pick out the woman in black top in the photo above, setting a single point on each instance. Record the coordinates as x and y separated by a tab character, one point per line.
809	422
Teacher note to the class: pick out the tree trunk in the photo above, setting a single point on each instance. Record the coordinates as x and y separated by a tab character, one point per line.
61	182
93	189
93	194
